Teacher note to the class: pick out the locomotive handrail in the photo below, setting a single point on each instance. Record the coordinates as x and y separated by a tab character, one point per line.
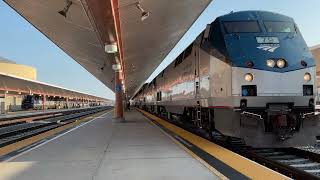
253	114
310	113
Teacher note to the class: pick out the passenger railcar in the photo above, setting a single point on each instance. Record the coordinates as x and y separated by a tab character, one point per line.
249	75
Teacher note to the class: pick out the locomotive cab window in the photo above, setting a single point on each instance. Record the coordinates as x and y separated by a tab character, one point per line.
242	27
280	27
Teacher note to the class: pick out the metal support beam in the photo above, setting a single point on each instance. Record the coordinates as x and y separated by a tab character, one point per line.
43	102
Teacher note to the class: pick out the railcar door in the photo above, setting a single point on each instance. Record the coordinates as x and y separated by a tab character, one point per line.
198	121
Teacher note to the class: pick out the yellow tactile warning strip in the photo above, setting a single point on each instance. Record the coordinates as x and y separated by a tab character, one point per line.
213	170
26	142
241	164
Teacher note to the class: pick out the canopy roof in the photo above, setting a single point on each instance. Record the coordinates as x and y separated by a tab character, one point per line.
90	24
14	84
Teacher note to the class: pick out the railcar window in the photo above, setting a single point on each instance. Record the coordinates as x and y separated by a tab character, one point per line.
183	55
178	60
242	27
282	27
188	51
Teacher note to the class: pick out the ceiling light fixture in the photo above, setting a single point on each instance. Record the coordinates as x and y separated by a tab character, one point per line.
111	48
65	9
104	65
144	14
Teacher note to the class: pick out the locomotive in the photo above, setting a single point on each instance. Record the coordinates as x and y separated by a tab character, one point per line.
248	75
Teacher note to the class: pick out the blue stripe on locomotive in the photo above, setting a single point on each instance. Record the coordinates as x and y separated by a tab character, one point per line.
238	48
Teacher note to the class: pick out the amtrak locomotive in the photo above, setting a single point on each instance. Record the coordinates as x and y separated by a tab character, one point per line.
248	75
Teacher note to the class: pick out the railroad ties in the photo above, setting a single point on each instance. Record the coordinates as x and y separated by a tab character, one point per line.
11	133
304	163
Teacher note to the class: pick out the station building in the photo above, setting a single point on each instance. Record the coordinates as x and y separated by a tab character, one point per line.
13	101
11	68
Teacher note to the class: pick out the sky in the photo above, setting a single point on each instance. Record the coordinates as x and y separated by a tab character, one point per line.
22	43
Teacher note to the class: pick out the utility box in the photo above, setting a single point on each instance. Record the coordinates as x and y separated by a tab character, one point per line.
2	108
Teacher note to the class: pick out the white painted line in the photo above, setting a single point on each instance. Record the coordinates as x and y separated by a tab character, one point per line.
54	138
30	146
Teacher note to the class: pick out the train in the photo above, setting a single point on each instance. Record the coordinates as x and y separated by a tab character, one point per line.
35	102
249	75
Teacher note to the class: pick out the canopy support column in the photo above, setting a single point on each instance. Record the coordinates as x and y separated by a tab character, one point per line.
118	112
43	102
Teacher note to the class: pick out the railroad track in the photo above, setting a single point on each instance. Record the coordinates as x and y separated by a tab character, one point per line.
295	163
18	131
40	114
292	162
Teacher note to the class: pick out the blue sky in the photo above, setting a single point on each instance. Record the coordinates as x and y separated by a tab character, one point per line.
24	44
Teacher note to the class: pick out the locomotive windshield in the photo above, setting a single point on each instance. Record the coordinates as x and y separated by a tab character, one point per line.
242	27
279	27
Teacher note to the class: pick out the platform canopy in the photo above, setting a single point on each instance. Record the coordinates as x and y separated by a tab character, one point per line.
91	24
16	85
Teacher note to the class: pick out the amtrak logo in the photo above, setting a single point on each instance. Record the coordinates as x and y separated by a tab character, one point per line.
269	47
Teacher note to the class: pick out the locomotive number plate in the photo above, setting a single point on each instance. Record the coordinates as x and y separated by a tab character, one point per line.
267	40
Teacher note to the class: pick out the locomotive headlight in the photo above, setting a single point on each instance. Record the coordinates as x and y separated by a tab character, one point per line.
307	77
281	63
248	77
271	63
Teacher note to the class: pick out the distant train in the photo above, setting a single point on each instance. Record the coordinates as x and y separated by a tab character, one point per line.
248	75
35	102
27	102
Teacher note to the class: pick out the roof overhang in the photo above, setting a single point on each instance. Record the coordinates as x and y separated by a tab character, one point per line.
90	24
15	84
80	34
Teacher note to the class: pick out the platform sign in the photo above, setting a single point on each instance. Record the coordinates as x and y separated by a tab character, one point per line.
118	88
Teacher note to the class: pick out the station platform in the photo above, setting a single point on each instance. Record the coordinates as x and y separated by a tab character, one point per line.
104	148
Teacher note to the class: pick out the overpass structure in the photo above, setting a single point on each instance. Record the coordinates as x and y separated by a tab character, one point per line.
120	42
